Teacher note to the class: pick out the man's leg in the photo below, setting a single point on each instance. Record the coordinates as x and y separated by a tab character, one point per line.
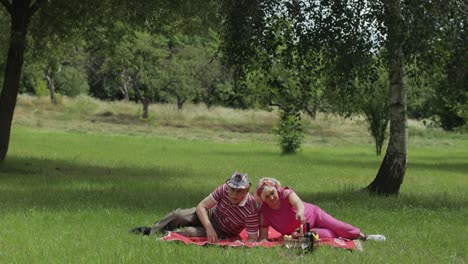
192	231
177	218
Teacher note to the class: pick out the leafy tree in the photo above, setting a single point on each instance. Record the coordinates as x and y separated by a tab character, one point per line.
284	74
215	80
178	74
349	33
72	81
375	108
451	89
149	53
32	81
65	18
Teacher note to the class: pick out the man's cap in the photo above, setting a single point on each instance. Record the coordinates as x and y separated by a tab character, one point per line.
239	180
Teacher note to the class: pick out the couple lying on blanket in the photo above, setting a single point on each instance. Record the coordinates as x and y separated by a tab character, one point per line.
230	208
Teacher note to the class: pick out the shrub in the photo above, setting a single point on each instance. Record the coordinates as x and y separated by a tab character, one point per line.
40	88
72	82
83	104
290	132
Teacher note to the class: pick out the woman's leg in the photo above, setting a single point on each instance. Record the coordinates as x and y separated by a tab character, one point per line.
324	233
341	229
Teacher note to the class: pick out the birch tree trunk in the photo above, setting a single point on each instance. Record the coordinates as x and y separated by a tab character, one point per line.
125	85
393	168
51	86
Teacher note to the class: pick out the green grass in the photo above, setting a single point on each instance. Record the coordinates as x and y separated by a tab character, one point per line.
70	188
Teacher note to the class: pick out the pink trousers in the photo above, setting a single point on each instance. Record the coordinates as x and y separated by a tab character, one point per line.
328	226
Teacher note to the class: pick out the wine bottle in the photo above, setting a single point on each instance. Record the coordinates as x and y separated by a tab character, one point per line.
309	238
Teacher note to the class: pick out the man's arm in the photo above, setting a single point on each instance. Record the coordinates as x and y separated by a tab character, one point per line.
202	213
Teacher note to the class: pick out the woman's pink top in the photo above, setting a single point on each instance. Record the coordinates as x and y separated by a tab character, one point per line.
283	219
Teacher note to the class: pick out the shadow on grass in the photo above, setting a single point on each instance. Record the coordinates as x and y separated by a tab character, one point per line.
457	167
63	185
346	161
364	200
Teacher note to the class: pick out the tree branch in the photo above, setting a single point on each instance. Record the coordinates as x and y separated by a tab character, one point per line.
36	6
7	5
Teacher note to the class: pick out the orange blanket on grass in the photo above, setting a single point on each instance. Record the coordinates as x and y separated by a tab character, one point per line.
275	239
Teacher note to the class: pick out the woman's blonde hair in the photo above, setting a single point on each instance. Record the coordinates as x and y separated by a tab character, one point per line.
265	183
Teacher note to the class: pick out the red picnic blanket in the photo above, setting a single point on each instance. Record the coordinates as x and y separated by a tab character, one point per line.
275	239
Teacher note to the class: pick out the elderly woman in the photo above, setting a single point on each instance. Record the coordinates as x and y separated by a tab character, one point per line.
282	209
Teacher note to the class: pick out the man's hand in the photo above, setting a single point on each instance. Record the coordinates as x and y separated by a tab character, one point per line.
202	213
211	235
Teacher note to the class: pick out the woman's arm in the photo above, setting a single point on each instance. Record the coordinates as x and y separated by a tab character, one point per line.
297	203
263	233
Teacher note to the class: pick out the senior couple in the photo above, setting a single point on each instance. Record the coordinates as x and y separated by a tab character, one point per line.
230	208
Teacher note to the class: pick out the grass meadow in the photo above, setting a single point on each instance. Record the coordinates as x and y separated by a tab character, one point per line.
80	174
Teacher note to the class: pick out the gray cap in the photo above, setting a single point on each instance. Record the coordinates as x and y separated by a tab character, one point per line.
239	180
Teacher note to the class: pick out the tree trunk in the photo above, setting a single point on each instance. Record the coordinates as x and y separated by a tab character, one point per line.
145	108
51	86
180	102
19	23
124	88
393	168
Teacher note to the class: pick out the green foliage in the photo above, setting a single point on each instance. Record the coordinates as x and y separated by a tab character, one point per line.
289	131
288	78
72	81
82	105
32	80
375	107
40	88
153	68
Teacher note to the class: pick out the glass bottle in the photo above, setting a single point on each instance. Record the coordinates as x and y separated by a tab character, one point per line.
308	242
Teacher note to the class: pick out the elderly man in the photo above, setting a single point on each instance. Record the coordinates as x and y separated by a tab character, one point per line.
223	213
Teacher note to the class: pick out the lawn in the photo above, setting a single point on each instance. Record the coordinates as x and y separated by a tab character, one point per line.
70	196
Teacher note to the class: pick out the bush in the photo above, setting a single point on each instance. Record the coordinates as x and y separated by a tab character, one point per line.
290	132
83	104
375	107
72	82
40	88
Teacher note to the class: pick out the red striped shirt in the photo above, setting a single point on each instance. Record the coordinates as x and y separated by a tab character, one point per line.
230	218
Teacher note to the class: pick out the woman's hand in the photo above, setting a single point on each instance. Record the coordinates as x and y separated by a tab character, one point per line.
297	203
300	217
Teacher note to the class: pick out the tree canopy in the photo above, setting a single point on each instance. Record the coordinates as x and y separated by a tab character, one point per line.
297	56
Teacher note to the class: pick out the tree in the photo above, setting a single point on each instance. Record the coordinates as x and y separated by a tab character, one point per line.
178	74
283	72
411	28
21	12
375	108
147	55
450	98
215	80
350	33
64	18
